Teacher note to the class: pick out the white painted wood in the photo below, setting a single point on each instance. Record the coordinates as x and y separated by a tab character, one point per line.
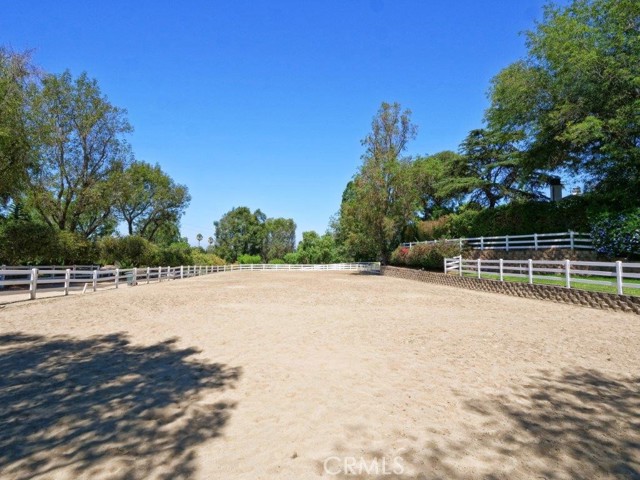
33	287
67	279
619	277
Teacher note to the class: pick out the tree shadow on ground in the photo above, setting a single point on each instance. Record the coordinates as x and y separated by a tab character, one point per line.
104	408
578	424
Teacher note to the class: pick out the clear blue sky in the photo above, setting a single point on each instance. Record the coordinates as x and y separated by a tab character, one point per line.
264	103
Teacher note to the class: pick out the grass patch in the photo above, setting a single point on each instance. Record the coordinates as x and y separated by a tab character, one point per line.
575	282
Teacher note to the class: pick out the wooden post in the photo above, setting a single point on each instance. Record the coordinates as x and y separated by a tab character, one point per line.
181	272
95	280
481	243
535	241
530	271
619	277
571	238
33	285
567	273
507	242
159	274
148	274
117	277
134	278
67	278
479	268
460	264
501	270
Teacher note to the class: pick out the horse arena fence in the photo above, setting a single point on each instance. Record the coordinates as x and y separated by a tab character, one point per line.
65	279
535	241
568	273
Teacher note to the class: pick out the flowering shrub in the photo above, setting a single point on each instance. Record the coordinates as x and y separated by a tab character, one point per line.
617	234
428	256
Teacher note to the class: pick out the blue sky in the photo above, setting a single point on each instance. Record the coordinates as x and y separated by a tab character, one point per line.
264	103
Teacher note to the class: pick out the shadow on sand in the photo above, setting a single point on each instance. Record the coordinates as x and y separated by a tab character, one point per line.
104	408
578	424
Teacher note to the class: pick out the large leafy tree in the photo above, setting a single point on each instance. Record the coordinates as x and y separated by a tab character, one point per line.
79	136
315	248
16	160
488	171
279	238
576	96
149	199
382	199
430	173
239	232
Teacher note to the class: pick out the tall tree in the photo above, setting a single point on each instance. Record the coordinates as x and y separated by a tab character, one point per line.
149	199
382	199
16	159
199	238
239	232
79	136
429	173
576	96
488	171
279	238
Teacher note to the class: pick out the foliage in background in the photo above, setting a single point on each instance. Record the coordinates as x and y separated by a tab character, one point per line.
316	248
618	234
279	238
239	232
429	257
246	259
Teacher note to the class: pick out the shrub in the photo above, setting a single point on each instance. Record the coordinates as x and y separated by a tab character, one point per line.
276	261
291	257
130	251
617	234
247	259
199	257
427	256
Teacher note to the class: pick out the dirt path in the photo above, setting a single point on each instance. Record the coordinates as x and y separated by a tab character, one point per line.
316	375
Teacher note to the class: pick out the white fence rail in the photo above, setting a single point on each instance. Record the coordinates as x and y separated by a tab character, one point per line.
64	279
535	241
568	273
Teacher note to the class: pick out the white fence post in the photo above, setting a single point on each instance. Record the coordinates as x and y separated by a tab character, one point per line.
571	238
535	241
134	277
67	278
117	280
619	277
33	286
501	262
148	274
159	274
479	268
481	243
445	265
530	271
567	273
460	264
506	239
95	280
181	272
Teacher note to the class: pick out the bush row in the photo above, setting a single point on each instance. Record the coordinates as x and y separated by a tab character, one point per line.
429	257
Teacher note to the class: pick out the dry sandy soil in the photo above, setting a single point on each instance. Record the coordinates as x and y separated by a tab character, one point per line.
279	375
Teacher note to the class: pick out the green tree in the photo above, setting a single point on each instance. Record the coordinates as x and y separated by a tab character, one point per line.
210	241
79	138
429	173
16	159
576	96
149	200
382	200
279	238
199	238
315	248
488	171
239	232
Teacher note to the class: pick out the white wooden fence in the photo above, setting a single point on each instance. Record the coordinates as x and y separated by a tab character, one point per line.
534	241
63	279
569	273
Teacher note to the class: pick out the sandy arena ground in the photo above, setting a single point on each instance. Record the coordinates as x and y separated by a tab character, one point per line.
316	375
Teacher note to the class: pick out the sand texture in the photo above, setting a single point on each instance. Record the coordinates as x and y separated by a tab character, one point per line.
266	375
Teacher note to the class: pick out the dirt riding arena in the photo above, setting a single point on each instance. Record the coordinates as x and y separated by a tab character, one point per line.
283	375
